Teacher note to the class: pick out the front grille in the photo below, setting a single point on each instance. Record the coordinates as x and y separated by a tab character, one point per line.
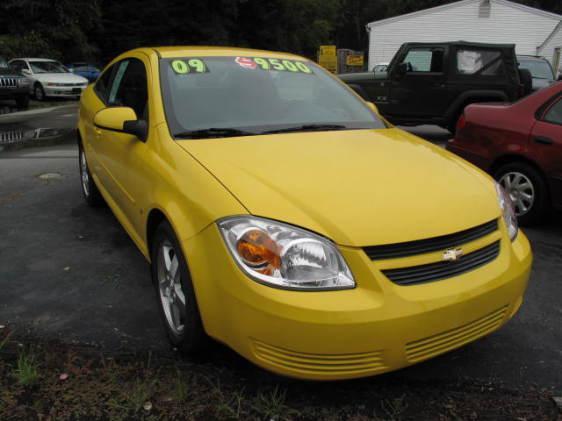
12	136
442	270
321	364
443	242
8	82
438	344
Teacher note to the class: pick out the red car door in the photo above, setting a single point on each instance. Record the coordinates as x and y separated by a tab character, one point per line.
546	140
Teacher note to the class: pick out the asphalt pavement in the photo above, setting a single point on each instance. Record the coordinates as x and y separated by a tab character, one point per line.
70	273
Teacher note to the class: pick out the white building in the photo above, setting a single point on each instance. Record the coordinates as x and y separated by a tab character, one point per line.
534	31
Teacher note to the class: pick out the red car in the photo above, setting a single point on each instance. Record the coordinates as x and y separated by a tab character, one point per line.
520	144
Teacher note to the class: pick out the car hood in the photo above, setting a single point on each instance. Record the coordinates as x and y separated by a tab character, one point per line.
59	78
6	71
357	187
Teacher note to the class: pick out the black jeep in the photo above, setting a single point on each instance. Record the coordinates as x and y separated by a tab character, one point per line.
431	83
13	85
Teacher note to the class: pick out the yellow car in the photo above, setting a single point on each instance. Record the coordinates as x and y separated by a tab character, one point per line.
285	218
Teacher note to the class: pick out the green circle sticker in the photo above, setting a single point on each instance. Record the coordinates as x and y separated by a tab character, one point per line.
180	67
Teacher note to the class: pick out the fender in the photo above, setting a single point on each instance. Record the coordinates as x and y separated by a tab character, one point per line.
471	97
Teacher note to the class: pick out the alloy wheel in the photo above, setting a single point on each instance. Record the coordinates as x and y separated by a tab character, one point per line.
521	191
84	174
170	288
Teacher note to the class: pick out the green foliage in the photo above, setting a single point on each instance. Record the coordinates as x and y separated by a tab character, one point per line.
98	30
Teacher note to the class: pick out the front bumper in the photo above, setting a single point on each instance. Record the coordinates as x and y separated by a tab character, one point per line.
63	91
13	92
377	327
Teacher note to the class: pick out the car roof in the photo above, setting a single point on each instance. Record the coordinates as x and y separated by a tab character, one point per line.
182	51
34	59
529	57
464	43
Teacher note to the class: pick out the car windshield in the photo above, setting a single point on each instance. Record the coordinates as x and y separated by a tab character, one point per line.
539	69
47	67
224	96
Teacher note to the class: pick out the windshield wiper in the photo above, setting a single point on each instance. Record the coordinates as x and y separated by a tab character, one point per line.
213	132
308	128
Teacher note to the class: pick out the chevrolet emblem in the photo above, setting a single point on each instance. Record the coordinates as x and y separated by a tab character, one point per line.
452	255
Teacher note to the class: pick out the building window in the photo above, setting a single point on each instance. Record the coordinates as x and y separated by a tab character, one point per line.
484	9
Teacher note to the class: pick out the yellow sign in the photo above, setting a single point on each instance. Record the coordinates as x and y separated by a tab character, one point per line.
327	58
327	50
354	60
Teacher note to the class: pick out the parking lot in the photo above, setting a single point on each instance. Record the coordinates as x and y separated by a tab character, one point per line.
70	273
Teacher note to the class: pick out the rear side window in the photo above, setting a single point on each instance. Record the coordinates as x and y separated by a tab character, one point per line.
554	113
474	61
425	60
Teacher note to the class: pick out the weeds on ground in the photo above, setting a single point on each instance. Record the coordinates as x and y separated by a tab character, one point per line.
26	371
272	404
132	387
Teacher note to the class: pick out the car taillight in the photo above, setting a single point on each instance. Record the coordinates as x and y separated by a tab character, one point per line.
461	122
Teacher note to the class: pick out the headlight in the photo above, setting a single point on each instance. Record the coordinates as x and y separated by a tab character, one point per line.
284	256
508	211
23	82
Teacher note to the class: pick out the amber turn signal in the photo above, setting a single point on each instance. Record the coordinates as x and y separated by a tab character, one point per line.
259	251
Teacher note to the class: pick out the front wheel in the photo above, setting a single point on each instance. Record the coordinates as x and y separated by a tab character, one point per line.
178	305
39	92
527	189
89	189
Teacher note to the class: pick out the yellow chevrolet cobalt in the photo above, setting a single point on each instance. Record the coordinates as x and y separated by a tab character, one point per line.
283	217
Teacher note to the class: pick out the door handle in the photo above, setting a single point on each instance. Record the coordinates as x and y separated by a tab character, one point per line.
543	140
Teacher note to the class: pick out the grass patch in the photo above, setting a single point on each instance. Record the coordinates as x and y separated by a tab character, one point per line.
272	405
26	371
96	387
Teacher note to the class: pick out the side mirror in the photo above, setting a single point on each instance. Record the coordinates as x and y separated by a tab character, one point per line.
123	120
26	72
373	107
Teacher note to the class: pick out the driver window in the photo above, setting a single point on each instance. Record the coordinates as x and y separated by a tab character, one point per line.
129	87
425	60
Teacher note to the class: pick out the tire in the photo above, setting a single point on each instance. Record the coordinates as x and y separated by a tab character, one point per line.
39	92
22	102
90	191
182	321
518	175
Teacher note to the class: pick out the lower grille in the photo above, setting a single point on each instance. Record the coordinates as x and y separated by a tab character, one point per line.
442	270
454	338
320	364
